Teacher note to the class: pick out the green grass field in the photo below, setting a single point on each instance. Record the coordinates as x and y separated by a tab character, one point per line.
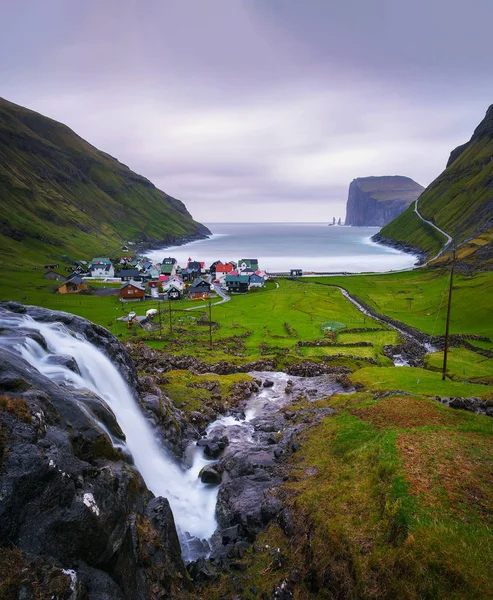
419	298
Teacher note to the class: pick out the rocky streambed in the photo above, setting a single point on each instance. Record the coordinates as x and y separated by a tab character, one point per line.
90	495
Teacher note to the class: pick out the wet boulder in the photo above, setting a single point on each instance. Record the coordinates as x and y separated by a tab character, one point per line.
210	474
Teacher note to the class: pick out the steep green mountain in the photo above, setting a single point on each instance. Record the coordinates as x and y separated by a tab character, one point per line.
459	201
59	194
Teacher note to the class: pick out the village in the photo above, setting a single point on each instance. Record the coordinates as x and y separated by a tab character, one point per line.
142	279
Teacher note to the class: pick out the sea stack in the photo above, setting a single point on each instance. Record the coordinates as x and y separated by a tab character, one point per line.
375	201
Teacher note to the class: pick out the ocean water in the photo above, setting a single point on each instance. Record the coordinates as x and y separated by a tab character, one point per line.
313	247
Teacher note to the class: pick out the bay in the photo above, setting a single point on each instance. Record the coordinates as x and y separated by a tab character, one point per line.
313	247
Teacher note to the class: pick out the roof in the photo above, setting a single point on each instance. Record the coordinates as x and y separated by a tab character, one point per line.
198	290
201	282
227	268
248	261
196	266
256	276
167	268
135	284
76	279
100	260
168	261
128	273
239	278
100	266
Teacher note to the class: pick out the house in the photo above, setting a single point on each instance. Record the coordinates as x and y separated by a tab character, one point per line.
154	288
237	283
129	275
169	260
52	266
256	281
199	290
196	266
174	293
100	260
54	276
223	270
296	272
174	281
73	286
153	272
212	268
248	263
101	267
131	291
190	275
168	269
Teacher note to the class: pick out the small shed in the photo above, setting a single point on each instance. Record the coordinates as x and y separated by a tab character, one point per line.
296	272
73	286
131	291
54	276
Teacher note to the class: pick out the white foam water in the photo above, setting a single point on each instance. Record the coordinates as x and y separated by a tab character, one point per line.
192	502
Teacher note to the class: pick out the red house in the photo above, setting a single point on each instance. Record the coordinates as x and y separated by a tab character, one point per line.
131	291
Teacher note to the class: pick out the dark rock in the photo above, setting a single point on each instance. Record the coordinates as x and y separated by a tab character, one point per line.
201	570
212	450
65	361
209	474
268	383
230	534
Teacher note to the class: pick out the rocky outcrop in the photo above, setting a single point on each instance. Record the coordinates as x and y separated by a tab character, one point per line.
74	512
375	201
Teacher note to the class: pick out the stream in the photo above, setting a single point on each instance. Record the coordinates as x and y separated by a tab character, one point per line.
399	359
68	359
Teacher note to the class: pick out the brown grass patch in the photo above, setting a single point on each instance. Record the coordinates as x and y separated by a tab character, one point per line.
449	470
15	406
405	412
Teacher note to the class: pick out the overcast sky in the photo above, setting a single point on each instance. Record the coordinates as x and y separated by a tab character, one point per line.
256	110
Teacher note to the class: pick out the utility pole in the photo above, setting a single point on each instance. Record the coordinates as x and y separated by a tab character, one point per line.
447	325
170	320
210	325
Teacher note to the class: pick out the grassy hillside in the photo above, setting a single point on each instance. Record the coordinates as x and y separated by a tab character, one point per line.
459	201
59	194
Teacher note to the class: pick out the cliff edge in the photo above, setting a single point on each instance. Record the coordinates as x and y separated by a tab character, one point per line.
375	201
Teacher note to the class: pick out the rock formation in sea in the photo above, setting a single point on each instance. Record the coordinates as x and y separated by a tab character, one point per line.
375	201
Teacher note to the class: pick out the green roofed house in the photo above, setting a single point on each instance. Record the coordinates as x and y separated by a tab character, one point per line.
237	283
248	263
100	260
168	269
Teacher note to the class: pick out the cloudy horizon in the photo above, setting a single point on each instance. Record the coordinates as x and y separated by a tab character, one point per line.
256	110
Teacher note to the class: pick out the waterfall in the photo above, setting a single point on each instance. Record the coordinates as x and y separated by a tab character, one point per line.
192	502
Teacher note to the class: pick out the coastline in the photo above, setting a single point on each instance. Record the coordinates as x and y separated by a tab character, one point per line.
420	255
174	242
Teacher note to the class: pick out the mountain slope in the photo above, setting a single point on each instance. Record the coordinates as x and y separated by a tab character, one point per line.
375	201
60	194
459	201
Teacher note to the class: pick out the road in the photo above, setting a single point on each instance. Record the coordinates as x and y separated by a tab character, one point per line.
449	239
219	292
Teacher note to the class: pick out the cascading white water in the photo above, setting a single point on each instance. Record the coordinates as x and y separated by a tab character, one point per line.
192	502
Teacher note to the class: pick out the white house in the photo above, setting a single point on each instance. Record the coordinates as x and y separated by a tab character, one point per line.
173	281
102	270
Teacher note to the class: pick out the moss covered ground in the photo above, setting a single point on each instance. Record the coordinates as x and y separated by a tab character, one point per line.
389	498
